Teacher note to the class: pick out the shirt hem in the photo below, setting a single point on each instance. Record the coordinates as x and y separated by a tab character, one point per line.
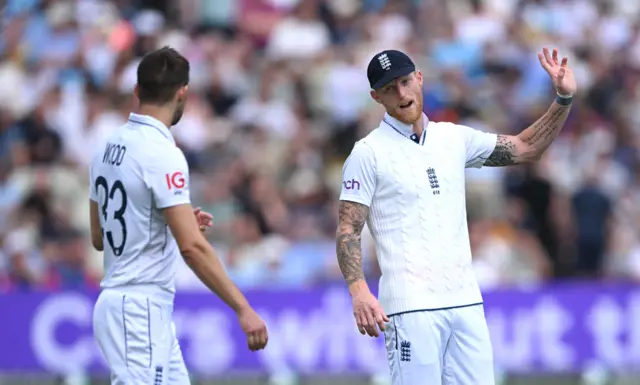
437	309
154	292
442	301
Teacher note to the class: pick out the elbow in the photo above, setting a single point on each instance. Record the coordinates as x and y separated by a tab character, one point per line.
97	243
531	155
534	157
526	151
194	251
341	234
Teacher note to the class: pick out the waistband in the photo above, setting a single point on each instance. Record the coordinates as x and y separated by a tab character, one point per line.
152	292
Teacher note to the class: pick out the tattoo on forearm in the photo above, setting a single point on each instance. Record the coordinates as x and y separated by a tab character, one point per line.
352	217
536	138
546	129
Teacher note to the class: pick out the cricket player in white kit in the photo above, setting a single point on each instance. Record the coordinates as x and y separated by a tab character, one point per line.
141	216
406	180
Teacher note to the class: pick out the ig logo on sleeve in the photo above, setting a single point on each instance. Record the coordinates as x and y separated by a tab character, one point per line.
175	181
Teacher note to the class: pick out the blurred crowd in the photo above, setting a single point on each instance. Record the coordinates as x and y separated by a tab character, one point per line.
278	97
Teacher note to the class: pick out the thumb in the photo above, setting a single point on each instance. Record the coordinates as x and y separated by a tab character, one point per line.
561	72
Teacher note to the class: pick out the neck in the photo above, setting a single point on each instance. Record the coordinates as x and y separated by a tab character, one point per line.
160	113
417	126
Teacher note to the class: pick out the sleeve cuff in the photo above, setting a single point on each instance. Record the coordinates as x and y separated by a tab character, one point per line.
174	203
355	199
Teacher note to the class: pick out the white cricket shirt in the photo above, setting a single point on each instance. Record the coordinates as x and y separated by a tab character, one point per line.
415	190
135	174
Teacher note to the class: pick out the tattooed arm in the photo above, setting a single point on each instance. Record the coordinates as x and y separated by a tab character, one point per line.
531	143
352	217
369	315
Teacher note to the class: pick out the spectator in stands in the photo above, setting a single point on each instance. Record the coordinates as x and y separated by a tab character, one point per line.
592	215
280	97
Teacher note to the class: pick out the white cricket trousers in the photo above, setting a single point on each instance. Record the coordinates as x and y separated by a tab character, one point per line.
440	347
137	338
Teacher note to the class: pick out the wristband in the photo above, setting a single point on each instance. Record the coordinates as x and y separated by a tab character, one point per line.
564	100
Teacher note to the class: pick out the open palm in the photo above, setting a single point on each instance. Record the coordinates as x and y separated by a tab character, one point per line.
560	73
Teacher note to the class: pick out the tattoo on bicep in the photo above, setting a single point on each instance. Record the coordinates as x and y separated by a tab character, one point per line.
352	217
504	154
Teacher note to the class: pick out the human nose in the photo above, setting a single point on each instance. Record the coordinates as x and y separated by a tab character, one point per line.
402	91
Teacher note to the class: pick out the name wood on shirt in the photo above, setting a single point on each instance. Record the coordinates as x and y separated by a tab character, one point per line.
114	154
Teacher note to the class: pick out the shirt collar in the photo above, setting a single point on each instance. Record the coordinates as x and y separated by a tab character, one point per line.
149	121
406	129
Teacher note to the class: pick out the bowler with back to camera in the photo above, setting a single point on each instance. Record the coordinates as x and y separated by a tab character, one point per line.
141	216
406	181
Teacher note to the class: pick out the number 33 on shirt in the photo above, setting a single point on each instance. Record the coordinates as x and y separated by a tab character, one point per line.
136	174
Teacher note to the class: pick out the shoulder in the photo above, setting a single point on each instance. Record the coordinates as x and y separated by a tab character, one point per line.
363	150
453	132
373	140
457	129
447	129
162	155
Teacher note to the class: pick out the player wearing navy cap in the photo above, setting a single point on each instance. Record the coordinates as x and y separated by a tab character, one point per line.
406	180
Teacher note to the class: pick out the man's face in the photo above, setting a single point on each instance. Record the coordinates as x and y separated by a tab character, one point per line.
402	97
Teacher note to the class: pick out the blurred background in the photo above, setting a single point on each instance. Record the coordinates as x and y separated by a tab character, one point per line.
278	97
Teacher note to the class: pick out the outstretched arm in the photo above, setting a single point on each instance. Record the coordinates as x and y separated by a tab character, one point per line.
352	217
531	143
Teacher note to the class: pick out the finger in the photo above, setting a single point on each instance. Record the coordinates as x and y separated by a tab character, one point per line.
565	61
257	344
543	62
263	338
372	330
210	223
554	56
360	323
251	341
547	56
206	215
563	68
561	72
197	210
257	340
380	321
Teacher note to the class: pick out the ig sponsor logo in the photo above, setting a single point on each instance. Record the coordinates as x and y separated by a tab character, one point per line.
175	180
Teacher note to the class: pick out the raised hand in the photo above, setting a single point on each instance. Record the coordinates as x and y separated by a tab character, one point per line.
560	73
205	219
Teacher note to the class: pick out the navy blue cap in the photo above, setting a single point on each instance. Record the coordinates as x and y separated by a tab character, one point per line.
387	66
